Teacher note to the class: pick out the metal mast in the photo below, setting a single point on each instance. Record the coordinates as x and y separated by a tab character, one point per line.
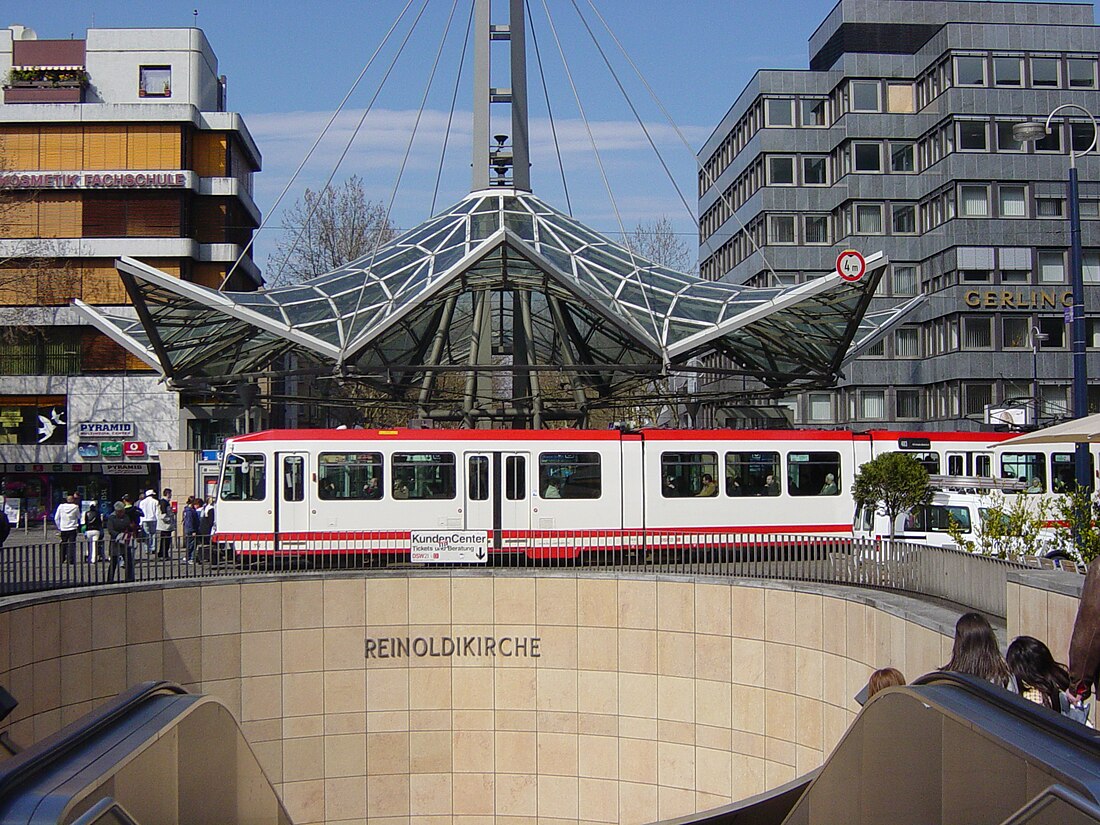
496	162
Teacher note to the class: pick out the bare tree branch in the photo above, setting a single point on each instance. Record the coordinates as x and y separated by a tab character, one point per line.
657	241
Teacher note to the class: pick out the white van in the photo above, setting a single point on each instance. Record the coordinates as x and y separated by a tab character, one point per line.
928	524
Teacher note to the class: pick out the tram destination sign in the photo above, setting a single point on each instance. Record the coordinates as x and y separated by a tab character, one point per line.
449	546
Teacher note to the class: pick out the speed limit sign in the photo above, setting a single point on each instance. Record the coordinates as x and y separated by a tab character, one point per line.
850	265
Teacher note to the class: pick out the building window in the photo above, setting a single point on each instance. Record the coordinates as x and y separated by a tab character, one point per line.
969	71
867	157
155	81
876	350
1005	141
1081	73
1052	267
780	170
899	98
815	171
978	397
908	404
1080	137
1015	276
975	276
817	229
1052	333
1007	71
901	158
973	201
821	407
864	95
904	280
907	342
977	332
1051	142
973	136
904	219
873	405
778	112
1092	334
813	113
1090	267
1089	208
781	229
1015	332
1044	72
869	219
1047	207
1012	201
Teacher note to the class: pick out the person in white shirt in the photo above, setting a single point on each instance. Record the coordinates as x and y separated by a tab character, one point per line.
150	508
67	521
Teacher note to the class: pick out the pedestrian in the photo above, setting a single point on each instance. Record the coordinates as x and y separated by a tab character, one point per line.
67	521
149	507
1084	644
191	527
206	527
5	525
883	678
93	530
122	532
166	525
976	653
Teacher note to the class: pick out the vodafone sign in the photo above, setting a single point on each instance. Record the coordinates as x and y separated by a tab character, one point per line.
133	449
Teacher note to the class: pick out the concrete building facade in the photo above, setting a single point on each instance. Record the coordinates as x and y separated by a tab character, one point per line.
899	138
116	144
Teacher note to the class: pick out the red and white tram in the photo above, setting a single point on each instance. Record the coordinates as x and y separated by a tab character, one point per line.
551	493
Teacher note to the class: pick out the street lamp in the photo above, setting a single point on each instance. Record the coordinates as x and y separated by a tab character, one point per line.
1030	131
1037	338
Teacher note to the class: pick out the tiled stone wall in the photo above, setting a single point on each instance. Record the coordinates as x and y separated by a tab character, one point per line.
1043	604
652	698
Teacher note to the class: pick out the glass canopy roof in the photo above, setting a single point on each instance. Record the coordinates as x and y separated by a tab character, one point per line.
500	282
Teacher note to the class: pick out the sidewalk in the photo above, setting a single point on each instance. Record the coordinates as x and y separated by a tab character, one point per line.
36	535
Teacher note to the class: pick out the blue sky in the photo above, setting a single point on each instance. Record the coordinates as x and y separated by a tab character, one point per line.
289	64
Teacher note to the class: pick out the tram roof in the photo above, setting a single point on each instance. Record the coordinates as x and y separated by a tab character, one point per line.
379	312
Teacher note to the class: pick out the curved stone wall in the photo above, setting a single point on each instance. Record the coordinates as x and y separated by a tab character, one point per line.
650	697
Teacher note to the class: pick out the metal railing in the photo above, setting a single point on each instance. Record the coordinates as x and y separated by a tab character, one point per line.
968	579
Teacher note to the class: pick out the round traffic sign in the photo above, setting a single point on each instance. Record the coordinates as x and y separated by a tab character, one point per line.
850	265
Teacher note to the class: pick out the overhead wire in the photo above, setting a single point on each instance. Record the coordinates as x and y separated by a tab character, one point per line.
549	108
700	165
603	173
450	115
316	142
354	135
350	339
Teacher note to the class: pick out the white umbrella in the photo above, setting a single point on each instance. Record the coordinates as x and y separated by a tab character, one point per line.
1085	429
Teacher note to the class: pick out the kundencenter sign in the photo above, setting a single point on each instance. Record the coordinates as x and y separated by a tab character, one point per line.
449	546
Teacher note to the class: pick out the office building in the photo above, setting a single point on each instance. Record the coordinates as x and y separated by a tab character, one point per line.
115	144
899	138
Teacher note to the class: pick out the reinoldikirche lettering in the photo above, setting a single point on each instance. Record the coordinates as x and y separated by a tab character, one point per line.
403	647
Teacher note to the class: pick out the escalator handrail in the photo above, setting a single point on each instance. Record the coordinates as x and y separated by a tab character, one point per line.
1034	714
39	756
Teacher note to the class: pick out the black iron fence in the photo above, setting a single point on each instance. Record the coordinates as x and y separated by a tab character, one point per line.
964	578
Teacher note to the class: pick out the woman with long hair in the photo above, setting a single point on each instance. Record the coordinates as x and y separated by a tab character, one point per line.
1040	678
976	653
883	678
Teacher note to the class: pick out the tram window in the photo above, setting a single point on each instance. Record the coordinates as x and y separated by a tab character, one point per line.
752	474
349	476
515	478
684	475
983	465
294	478
813	474
929	461
243	478
1063	472
956	465
1025	467
479	478
570	475
424	475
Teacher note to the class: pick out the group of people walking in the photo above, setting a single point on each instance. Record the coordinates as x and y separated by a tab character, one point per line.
152	520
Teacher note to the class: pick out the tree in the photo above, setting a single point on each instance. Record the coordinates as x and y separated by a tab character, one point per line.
324	230
892	483
1008	526
658	242
1077	514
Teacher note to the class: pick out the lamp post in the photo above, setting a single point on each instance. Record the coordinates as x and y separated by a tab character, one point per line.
1030	131
1037	339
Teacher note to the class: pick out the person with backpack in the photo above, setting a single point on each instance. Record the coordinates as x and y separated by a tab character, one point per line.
93	530
121	530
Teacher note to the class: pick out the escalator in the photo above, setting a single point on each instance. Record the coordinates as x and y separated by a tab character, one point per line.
154	755
946	749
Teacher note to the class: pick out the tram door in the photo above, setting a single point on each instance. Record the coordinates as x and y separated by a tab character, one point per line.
291	506
970	464
497	495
